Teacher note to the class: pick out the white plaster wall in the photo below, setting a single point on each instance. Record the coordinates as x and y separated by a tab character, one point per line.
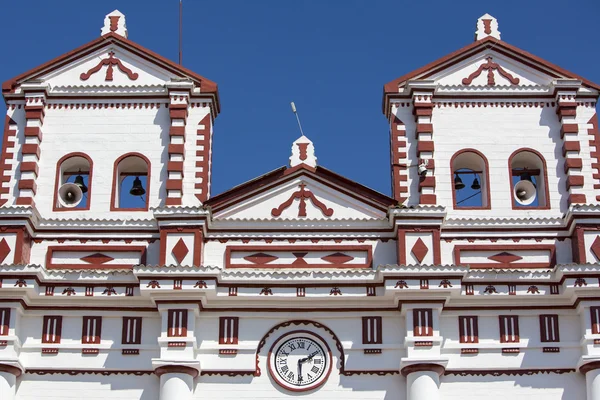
104	135
195	115
535	387
497	132
121	387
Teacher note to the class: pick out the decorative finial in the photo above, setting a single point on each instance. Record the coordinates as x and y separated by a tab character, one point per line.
303	152
487	26
114	22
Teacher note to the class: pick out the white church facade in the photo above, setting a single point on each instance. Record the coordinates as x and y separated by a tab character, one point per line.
123	277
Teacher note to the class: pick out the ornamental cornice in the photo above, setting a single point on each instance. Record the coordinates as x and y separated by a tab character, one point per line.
64	274
584	208
98	223
534	89
109	89
505	222
415	269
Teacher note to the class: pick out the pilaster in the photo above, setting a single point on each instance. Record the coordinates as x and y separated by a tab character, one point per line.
566	109
35	103
179	96
422	101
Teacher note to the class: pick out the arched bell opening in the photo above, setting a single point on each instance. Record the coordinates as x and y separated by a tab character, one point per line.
528	179
73	183
470	180
131	183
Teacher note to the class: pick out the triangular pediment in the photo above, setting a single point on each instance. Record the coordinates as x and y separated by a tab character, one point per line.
488	64
489	68
110	61
300	194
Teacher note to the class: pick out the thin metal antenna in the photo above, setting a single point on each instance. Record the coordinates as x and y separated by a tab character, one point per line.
180	30
297	118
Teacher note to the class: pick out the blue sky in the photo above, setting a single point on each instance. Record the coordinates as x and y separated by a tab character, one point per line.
331	57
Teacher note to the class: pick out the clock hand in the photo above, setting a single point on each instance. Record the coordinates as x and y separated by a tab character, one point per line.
299	370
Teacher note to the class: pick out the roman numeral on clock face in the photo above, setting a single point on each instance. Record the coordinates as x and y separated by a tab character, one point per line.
315	369
318	361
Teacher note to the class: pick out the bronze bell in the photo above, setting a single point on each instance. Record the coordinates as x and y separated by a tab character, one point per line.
458	183
475	185
137	189
79	182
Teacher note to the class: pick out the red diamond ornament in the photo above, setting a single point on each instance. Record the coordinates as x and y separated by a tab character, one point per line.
96	258
260	258
338	258
594	249
4	250
180	250
505	257
419	250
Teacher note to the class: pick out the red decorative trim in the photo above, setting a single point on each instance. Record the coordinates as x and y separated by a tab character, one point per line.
468	327
372	330
296	249
228	352
51	329
110	61
90	351
419	250
7	155
469	350
504	249
372	351
177	323
422	322
176	344
198	241
55	206
487	26
176	369
130	352
509	329
549	328
595	155
302	194
4	321
228	330
511	350
490	67
91	330
90	249
398	154
132	331
508	372
114	22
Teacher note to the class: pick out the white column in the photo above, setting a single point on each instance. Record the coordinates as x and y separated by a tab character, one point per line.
8	386
176	386
422	385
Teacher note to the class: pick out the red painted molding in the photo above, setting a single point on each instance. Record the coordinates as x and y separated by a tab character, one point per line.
10	369
198	243
573	163
7	153
544	175
427	182
575	181
299	249
93	249
110	61
424	146
176	369
31	149
507	248
409	369
568	128
115	182
33	131
303	194
577	198
424	128
487	183
585	368
570	145
204	176
490	66
55	206
427	199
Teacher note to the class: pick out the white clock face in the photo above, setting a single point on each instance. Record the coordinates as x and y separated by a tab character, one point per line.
300	361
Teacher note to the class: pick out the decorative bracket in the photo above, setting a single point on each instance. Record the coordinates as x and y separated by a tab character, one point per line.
110	61
490	67
302	194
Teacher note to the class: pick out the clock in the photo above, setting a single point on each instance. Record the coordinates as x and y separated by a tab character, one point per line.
299	361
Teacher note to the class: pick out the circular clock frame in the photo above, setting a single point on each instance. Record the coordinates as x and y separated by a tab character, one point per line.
281	341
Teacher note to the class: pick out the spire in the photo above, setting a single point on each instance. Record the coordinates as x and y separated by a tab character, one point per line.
303	152
487	26
114	22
